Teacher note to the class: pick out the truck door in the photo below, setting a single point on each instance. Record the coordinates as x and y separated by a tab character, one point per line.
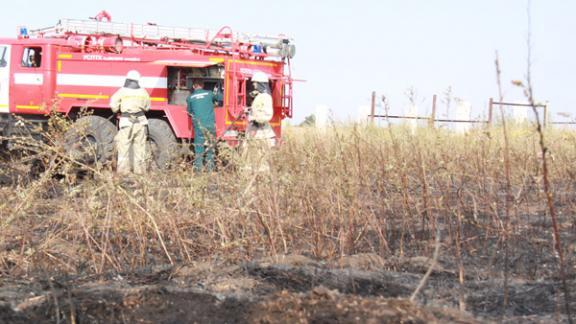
4	77
28	80
236	95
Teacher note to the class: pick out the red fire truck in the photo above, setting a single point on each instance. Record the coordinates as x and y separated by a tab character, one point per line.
76	65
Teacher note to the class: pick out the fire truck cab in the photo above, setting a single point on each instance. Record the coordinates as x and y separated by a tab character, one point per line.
74	67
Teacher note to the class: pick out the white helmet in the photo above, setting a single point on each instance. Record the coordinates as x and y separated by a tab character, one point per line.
259	76
133	75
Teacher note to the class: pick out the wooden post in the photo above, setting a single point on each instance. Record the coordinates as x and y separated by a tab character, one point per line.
373	107
433	115
490	112
545	118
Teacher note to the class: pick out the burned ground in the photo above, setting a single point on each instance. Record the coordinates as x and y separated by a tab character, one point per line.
285	289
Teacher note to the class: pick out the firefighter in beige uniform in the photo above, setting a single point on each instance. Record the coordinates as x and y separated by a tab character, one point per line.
259	134
131	101
261	111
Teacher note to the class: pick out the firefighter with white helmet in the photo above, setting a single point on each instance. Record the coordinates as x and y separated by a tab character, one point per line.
259	134
131	101
261	111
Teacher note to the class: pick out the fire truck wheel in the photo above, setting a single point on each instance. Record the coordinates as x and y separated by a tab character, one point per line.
162	143
91	139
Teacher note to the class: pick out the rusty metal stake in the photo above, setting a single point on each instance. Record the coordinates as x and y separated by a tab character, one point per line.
433	115
545	118
373	107
490	112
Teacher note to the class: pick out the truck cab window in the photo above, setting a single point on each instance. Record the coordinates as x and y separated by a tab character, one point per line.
32	57
3	62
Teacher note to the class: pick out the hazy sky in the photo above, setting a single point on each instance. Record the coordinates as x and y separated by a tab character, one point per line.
346	49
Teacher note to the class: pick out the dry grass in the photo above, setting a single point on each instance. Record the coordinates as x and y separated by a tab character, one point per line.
347	191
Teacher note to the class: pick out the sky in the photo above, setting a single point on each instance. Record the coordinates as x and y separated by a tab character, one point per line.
347	49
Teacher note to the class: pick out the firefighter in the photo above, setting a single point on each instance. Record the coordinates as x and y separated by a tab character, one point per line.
201	110
131	101
259	134
261	111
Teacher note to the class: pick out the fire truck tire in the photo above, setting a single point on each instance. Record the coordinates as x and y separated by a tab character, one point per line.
91	139
162	143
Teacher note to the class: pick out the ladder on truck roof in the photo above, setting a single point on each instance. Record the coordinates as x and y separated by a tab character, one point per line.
257	45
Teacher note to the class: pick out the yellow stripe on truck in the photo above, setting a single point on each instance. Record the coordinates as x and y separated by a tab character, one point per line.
243	123
143	97
82	96
28	107
93	96
261	63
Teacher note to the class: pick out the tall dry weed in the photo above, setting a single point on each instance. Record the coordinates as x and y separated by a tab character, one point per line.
348	190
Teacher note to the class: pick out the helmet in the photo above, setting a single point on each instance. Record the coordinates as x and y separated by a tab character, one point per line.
259	76
133	75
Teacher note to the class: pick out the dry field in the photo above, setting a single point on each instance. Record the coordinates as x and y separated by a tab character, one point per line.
342	229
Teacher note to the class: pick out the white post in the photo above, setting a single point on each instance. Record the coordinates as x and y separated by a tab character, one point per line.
363	115
546	114
463	110
412	111
520	114
321	117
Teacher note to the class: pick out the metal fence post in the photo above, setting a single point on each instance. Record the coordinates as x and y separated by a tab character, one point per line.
433	115
373	107
490	112
545	118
